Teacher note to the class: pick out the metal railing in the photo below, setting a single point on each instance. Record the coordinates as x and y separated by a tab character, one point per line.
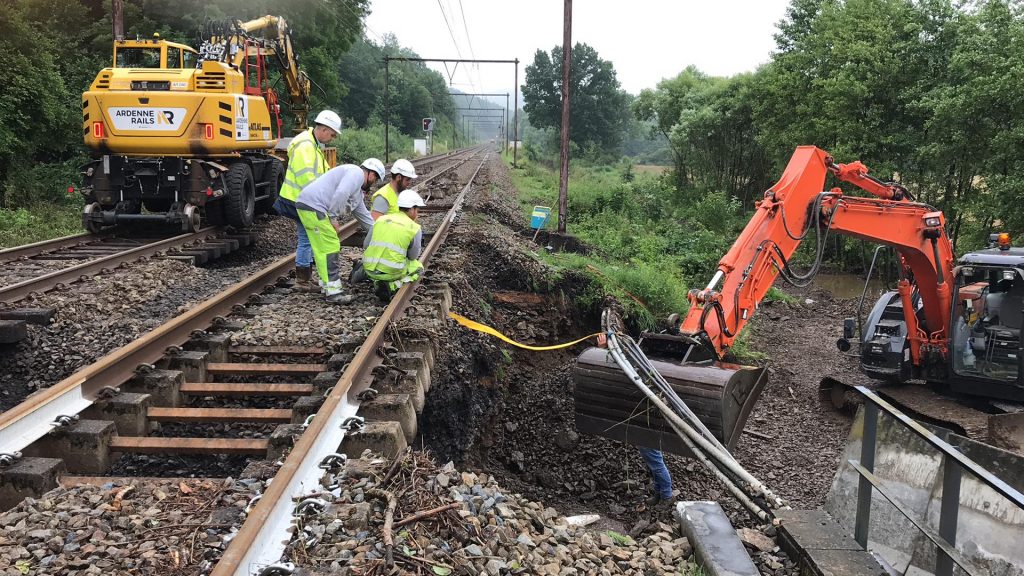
953	464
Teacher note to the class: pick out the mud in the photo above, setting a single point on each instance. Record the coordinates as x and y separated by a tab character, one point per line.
509	412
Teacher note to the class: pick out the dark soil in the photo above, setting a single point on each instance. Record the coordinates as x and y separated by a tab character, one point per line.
509	412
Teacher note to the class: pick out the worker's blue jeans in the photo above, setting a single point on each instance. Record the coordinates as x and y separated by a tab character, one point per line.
303	249
659	472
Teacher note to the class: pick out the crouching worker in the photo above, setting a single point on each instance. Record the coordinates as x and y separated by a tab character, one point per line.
392	249
338	192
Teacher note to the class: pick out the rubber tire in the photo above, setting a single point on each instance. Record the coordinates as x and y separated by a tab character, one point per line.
240	200
274	174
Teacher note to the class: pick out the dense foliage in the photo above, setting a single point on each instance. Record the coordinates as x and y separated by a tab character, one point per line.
927	92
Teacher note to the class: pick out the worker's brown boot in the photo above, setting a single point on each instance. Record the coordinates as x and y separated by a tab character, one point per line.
302	280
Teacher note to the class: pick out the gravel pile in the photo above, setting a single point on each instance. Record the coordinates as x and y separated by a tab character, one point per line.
102	313
134	527
467	525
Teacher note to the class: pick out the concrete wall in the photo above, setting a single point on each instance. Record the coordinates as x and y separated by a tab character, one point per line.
990	531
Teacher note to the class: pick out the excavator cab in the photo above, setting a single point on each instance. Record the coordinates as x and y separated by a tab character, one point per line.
986	347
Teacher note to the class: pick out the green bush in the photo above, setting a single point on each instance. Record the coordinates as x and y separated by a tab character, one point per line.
43	184
357	144
38	222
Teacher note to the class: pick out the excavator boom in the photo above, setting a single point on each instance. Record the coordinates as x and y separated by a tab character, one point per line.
690	356
782	220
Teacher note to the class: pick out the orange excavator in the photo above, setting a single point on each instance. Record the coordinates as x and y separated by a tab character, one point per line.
968	345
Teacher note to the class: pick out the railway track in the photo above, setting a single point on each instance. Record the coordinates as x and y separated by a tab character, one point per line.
43	266
156	395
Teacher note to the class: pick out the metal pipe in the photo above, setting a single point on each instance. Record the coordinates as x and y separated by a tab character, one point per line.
724	458
681	430
715	279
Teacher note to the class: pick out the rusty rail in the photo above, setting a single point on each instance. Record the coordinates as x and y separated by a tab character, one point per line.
263	537
30	420
37	248
16	292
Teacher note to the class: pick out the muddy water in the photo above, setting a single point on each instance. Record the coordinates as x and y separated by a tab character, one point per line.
849	285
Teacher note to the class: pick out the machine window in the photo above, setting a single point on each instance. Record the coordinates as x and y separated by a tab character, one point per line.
190	60
138	58
173	57
987	325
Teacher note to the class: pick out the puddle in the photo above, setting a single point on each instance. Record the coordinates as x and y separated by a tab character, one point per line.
849	285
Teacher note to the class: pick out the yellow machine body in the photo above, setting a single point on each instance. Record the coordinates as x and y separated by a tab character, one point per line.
160	104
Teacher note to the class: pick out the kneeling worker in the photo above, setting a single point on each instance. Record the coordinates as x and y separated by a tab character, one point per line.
338	192
393	247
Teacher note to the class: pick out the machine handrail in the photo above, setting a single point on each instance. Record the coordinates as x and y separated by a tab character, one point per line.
954	462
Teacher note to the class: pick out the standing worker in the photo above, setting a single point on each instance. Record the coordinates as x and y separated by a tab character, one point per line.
338	192
385	200
392	249
663	493
306	162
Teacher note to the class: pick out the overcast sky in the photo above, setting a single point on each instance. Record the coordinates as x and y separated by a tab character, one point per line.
646	40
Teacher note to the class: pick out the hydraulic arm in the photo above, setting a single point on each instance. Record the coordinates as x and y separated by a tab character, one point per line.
234	43
783	219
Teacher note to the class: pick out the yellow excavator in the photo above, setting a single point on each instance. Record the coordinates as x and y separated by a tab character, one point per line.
187	137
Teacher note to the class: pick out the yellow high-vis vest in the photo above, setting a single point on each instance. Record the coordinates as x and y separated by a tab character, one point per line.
388	192
306	162
385	257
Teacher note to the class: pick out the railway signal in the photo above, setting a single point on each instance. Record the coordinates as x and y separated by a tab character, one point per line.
428	124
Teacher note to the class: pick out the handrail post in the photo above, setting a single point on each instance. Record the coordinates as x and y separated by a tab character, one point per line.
948	514
867	460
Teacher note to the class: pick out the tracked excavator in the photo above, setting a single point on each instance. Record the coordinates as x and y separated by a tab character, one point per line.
186	137
954	325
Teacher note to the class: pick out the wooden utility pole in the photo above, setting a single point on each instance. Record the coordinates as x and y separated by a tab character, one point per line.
563	184
117	16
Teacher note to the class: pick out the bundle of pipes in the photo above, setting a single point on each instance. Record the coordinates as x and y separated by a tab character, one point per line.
704	446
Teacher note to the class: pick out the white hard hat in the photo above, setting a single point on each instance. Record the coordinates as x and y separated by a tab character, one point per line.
410	199
375	165
329	119
403	167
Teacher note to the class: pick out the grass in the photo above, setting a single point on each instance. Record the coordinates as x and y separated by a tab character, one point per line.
37	223
629	249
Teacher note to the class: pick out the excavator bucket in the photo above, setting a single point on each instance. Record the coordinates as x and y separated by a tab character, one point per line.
608	404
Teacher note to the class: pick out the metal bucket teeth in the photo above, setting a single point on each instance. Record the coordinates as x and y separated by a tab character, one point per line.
609	405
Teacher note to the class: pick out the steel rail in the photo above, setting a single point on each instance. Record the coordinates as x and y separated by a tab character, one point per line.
37	248
31	420
262	539
16	292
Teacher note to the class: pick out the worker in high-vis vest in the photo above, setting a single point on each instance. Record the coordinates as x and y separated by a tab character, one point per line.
339	192
385	200
306	163
392	249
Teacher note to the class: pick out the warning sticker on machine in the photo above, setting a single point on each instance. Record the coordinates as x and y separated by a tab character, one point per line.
138	118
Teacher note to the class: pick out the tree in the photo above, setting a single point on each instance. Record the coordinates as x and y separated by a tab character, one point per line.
710	130
600	108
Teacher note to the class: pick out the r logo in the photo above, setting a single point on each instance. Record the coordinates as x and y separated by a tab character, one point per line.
241	106
165	117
